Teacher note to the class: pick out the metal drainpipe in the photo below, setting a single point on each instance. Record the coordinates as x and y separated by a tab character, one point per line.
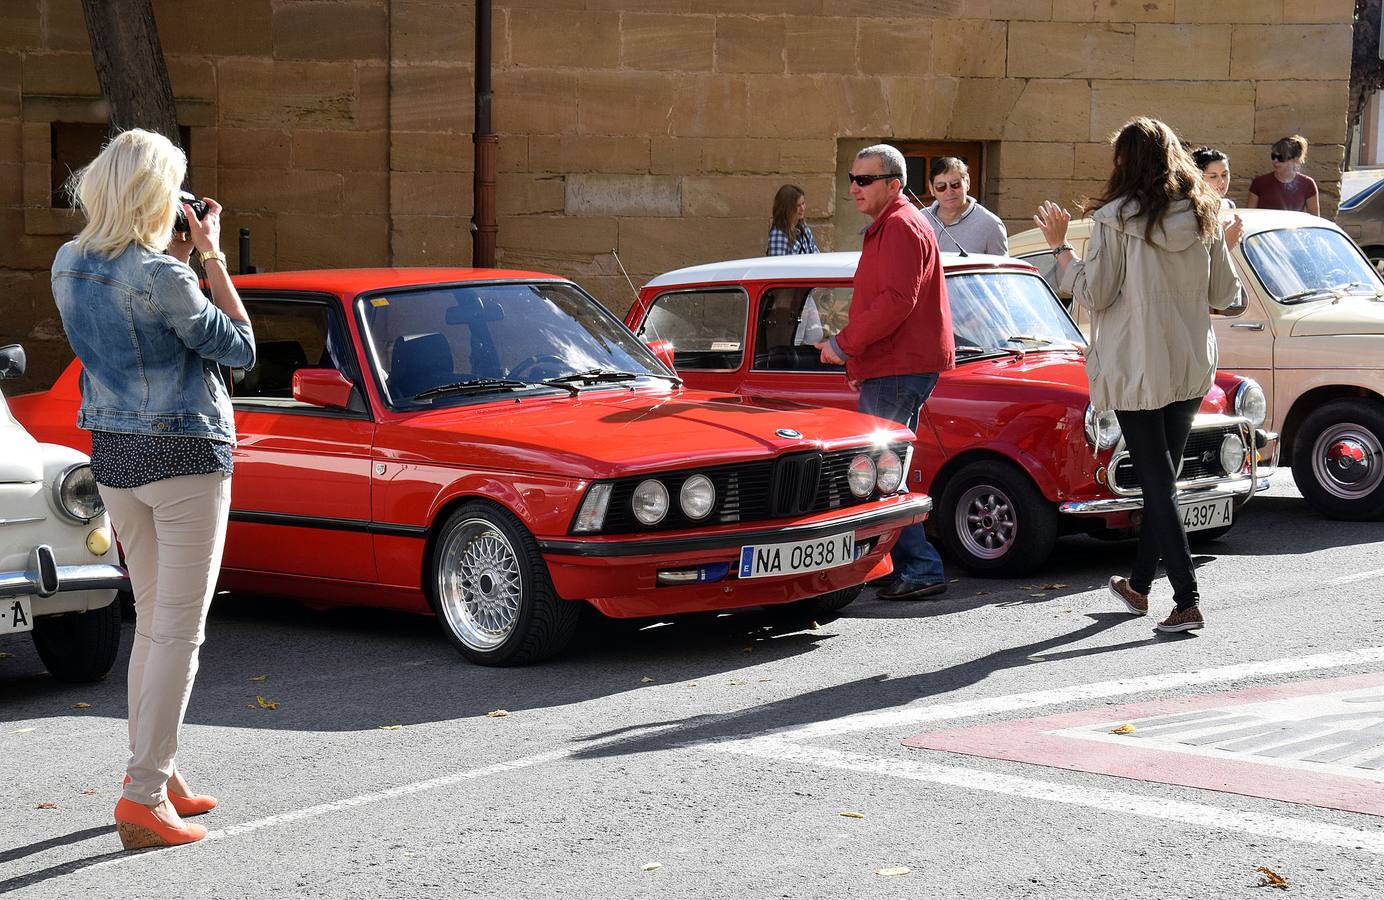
483	225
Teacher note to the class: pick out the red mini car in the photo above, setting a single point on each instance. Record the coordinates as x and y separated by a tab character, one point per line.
497	446
1008	443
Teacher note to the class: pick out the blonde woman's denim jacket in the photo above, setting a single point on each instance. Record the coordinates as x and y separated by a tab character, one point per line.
150	343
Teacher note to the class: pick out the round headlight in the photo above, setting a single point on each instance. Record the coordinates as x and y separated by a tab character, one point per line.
697	497
650	502
1251	403
1233	454
75	494
1102	428
861	475
889	472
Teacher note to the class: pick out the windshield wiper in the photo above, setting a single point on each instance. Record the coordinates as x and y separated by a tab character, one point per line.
1027	339
474	386
603	376
1312	293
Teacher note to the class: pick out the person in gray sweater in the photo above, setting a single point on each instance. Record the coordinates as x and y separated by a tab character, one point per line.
969	227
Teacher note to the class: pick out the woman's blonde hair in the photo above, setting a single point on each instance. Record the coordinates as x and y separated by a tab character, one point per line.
129	193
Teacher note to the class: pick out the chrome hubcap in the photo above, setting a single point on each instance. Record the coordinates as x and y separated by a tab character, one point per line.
479	584
985	522
1346	461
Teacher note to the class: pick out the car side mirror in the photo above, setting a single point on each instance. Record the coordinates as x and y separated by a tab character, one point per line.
664	351
322	387
13	361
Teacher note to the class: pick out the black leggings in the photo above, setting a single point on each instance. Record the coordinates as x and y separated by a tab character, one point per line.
1156	439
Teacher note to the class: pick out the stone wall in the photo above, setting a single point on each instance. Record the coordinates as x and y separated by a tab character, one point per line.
340	132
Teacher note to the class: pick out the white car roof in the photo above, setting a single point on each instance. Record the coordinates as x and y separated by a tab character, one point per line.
806	265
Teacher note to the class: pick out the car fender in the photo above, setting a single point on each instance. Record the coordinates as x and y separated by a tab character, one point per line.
1039	473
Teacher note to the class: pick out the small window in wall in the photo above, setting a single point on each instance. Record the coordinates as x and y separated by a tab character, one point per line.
920	154
75	144
707	328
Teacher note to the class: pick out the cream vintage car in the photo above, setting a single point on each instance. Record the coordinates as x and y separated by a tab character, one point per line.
1310	331
58	565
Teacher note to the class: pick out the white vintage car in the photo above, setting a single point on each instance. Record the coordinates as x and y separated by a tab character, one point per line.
59	572
1310	331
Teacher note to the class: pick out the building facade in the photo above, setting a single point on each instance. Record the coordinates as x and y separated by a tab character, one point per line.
340	131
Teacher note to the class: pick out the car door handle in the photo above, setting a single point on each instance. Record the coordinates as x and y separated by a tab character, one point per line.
1249	326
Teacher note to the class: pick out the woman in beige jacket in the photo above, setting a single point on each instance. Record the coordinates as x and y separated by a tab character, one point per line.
1156	264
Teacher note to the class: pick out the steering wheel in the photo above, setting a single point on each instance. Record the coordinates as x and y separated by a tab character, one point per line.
533	362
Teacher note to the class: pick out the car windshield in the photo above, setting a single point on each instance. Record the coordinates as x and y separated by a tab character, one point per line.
1298	265
1005	311
437	344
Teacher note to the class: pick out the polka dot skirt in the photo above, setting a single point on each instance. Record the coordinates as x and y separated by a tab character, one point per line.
131	460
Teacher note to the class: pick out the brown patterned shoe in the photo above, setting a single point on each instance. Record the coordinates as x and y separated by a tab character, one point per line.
1188	619
1135	602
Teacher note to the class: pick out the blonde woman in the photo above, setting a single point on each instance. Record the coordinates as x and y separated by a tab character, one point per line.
161	436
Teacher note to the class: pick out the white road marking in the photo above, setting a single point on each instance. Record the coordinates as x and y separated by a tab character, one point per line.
1360	576
907	716
1118	802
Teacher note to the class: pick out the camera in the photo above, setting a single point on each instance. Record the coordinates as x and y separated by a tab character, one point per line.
199	209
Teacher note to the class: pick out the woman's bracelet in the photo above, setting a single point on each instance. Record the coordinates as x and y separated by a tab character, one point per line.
1064	246
206	255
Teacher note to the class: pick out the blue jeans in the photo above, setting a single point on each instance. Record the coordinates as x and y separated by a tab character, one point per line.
900	398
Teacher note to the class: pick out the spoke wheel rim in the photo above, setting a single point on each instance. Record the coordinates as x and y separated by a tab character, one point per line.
986	522
479	585
1348	461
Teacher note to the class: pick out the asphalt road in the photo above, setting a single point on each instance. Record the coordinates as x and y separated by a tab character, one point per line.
724	749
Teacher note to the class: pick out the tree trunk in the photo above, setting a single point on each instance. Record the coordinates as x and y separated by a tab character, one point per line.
130	65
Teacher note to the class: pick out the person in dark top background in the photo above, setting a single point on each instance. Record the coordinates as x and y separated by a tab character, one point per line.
1285	187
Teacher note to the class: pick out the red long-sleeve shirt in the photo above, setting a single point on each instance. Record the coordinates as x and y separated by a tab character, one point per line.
900	321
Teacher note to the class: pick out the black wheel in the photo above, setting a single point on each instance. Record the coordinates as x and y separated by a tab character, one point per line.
79	647
490	589
826	604
1338	459
994	521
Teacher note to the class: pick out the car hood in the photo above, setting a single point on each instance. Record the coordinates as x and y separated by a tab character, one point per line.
1063	372
1352	315
20	460
607	433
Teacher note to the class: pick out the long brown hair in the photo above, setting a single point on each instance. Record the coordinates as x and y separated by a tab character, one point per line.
785	205
1153	170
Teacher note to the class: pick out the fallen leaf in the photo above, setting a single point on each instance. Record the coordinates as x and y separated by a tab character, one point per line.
1037	595
646	680
89	792
691	684
849	814
813	625
6	655
497	714
762	680
81	706
893	870
981	594
1269	878
258	677
955	580
1054	586
649	867
47	804
738	681
266	704
1126	728
390	727
21	730
749	649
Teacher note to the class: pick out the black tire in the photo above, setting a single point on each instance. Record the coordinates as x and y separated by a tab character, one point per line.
472	595
79	647
1336	485
824	605
1014	526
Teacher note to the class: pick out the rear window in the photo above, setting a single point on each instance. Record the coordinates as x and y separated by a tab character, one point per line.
707	328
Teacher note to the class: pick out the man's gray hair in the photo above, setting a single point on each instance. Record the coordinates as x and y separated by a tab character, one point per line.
890	158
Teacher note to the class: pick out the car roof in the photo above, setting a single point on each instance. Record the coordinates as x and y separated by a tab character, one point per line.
355	281
806	265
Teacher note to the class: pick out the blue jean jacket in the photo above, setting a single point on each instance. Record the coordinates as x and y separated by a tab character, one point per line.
149	342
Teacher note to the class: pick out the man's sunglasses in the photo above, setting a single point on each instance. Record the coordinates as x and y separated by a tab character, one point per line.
941	186
867	180
1279	157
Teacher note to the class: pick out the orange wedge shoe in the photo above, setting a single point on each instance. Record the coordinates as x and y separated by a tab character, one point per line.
194	805
140	828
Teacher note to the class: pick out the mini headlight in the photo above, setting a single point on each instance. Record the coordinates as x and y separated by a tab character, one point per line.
1233	454
1251	403
889	474
75	494
650	501
1102	428
697	497
592	514
861	475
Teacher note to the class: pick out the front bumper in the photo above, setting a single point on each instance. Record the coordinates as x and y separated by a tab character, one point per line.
43	577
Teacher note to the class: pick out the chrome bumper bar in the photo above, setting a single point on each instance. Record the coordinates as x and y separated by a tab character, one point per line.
43	577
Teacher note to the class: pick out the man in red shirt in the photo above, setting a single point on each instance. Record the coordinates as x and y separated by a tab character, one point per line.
899	336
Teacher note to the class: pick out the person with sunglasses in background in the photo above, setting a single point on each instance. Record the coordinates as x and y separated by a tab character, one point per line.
899	337
957	219
1285	187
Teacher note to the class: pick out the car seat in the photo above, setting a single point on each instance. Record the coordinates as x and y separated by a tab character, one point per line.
418	362
272	375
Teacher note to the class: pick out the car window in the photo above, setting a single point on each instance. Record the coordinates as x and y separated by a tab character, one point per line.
792	320
707	328
288	336
1046	263
1007	311
1301	264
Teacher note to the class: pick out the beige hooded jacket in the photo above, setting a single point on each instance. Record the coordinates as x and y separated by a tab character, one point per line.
1150	302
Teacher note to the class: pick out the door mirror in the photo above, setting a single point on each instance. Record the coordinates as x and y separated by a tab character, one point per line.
13	361
322	387
664	351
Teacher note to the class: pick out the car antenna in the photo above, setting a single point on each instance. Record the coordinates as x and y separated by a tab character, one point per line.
960	249
628	280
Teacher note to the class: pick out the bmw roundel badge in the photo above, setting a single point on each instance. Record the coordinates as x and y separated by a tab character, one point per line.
788	433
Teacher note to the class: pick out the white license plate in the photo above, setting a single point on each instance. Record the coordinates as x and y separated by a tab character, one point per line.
16	615
1207	514
765	560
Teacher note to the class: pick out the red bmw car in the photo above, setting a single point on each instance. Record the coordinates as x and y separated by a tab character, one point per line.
497	448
